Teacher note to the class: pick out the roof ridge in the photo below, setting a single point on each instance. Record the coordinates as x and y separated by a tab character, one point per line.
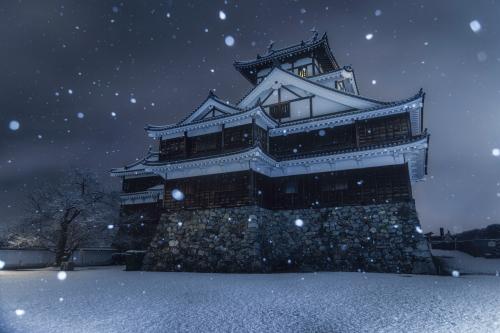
211	95
249	109
308	43
315	83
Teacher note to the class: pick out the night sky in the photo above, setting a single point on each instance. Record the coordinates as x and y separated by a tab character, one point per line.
71	70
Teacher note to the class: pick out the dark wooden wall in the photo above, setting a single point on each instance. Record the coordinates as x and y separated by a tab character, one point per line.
140	184
221	190
361	134
229	139
350	187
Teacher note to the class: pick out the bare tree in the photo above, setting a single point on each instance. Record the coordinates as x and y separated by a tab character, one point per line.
62	215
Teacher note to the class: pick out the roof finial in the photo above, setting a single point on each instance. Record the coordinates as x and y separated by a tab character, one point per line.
211	93
270	46
258	102
315	33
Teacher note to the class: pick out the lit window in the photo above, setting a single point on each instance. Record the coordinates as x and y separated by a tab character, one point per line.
303	71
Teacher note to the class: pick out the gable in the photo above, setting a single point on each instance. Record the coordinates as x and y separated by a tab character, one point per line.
211	107
296	85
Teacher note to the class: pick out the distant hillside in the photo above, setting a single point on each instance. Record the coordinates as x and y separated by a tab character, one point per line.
491	231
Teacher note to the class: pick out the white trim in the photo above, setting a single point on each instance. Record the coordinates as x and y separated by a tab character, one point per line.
256	112
150	196
413	107
206	106
255	159
279	77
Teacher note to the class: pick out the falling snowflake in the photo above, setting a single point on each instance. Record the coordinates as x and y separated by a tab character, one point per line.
418	229
321	132
20	312
475	26
80	115
177	195
110	226
133	100
481	56
299	223
2	264
222	15
369	36
374	82
14	125
378	12
212	70
455	274
113	114
303	11
61	299
179	224
289	261
70	91
115	9
168	15
62	275
360	182
39	136
495	152
229	40
206	30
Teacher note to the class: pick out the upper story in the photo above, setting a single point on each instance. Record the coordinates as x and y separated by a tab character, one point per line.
301	104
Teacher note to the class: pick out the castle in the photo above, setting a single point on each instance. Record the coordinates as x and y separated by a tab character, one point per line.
303	173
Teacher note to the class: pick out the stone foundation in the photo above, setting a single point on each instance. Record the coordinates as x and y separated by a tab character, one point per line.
376	238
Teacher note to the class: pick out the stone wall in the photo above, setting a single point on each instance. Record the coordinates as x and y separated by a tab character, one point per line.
377	238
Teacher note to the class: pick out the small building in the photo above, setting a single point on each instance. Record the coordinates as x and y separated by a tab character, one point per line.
302	138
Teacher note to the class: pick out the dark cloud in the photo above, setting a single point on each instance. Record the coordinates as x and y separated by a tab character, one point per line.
159	53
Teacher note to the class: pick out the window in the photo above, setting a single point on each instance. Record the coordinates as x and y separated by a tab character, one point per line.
206	143
302	71
280	110
291	187
172	148
339	85
237	137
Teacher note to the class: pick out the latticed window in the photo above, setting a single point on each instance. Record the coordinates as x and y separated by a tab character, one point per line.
172	148
302	71
280	110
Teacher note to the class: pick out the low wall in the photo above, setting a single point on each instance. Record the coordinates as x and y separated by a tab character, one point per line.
37	258
26	258
379	238
93	256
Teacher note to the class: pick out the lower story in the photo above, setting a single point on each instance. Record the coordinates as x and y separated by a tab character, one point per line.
328	189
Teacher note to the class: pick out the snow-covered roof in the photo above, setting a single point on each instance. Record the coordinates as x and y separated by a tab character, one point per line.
412	151
413	105
136	168
210	103
151	195
261	117
321	45
280	76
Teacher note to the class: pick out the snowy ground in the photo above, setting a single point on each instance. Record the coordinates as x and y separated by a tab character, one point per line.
111	300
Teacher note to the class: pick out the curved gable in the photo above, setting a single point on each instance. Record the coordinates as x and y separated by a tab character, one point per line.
278	78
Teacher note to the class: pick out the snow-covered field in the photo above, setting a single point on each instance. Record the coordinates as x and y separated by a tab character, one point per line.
111	300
